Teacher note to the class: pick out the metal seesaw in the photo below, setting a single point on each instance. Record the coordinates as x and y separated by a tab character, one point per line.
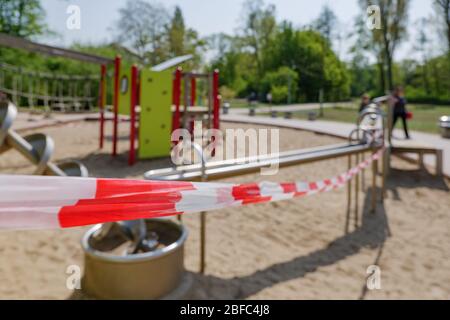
367	137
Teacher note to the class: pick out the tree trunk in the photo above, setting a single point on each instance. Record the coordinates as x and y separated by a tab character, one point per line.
382	76
426	83
390	76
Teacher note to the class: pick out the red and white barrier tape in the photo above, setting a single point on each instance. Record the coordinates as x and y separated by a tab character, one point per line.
35	202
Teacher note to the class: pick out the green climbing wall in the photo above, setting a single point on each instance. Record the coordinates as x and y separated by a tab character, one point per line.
155	124
124	91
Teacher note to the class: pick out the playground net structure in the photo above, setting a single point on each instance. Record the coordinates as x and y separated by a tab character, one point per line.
52	91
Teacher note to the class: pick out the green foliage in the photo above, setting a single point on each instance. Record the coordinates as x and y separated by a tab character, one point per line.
258	30
227	93
384	41
326	23
279	94
177	33
310	55
282	83
142	27
22	18
182	40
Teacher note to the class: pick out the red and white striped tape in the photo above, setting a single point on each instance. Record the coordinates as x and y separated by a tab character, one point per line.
35	202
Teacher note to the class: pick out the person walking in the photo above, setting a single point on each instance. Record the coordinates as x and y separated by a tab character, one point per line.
398	103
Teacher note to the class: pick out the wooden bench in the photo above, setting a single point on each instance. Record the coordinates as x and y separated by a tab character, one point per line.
421	149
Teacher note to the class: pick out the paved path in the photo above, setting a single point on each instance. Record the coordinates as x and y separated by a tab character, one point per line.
290	108
342	130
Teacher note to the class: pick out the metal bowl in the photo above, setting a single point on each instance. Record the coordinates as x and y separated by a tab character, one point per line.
149	275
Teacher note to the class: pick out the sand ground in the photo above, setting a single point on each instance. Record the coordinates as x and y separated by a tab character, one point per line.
289	250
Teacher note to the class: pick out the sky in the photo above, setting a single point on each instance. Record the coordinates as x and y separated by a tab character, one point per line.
207	17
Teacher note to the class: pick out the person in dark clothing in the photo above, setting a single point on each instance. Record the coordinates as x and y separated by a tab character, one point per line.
365	102
399	105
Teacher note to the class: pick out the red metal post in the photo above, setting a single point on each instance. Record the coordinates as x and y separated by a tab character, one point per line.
193	90
101	103
216	101
176	99
192	103
116	102
133	103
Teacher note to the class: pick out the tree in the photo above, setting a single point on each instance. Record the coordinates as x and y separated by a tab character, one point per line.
22	18
182	40
442	8
422	46
177	33
394	18
142	26
283	84
258	29
308	54
326	23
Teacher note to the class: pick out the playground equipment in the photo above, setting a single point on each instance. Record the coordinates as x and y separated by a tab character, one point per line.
135	260
160	100
402	147
369	136
37	148
51	90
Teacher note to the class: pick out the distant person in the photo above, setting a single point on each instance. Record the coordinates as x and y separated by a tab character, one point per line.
252	97
3	99
365	102
269	100
398	103
269	97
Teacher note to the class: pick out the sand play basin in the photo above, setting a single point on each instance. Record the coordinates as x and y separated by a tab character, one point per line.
132	260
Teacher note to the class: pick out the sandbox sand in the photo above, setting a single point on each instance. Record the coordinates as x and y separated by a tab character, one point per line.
289	250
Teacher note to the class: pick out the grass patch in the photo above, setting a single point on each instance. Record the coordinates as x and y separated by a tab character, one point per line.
425	117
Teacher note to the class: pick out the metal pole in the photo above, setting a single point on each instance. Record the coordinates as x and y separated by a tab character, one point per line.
289	98
349	197
357	193
176	99
133	96
116	102
374	186
363	175
216	101
192	103
321	102
204	177
193	90
202	242
383	174
186	84
101	104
